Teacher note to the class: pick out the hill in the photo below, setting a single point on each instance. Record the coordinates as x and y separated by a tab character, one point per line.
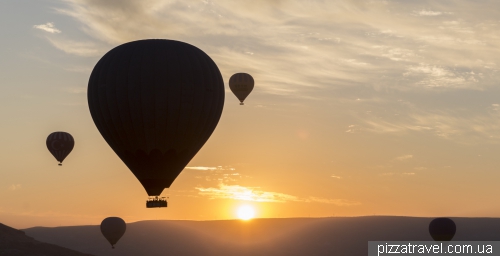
300	236
14	242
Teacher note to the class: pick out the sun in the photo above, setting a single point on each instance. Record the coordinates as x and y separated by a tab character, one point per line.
246	212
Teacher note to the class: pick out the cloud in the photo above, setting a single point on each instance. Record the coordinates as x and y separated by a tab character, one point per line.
428	13
336	177
461	125
338	202
216	173
238	192
15	187
79	48
296	50
293	45
403	158
391	174
353	128
200	168
48	27
434	76
245	193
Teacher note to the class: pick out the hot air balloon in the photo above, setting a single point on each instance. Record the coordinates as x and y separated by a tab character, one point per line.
442	229
156	102
113	228
60	145
241	84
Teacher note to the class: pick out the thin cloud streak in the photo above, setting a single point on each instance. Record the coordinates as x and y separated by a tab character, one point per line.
461	128
201	168
299	46
403	158
237	192
429	13
15	187
83	49
48	27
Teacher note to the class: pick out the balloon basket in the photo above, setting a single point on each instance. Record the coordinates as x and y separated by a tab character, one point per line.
242	103
156	202
59	164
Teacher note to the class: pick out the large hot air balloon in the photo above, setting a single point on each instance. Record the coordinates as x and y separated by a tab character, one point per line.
241	84
113	228
156	103
60	145
442	229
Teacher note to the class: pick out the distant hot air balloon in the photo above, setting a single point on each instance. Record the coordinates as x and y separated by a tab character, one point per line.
241	84
442	229
60	145
113	228
156	103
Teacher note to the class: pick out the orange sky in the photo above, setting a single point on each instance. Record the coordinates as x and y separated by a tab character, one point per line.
388	109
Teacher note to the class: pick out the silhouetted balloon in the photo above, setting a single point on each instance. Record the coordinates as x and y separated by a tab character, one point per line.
442	229
60	145
156	103
113	228
241	84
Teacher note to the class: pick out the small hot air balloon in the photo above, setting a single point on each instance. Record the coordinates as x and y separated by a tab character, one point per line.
60	145
241	84
442	229
113	228
156	102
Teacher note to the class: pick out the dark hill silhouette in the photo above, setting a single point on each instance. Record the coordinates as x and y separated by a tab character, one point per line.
339	236
14	242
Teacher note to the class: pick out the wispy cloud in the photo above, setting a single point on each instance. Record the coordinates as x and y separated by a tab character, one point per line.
48	27
336	177
238	192
338	202
84	49
434	76
15	187
461	126
201	168
429	13
403	158
216	173
421	168
291	46
391	174
245	193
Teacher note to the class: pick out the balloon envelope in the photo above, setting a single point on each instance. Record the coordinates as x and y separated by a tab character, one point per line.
113	228
156	103
60	145
241	84
442	229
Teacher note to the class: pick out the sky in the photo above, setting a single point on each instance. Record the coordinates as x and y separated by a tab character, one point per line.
359	108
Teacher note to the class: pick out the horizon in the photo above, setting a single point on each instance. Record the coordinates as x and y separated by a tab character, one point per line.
380	108
273	218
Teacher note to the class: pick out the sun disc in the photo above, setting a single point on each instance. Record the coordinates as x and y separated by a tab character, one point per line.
246	212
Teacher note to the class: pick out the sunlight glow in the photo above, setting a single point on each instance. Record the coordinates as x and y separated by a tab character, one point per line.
246	212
